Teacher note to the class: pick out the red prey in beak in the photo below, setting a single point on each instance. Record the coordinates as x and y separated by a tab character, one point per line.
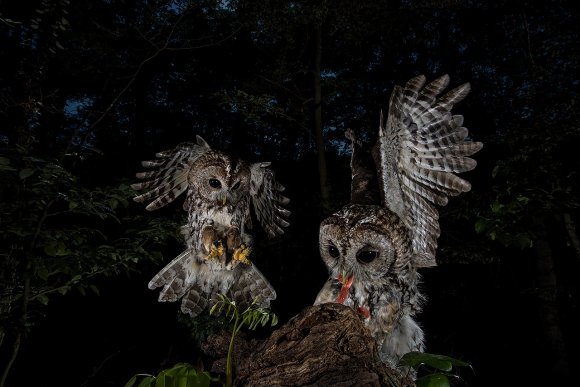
346	284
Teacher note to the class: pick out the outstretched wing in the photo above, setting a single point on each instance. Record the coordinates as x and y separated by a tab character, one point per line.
268	200
168	177
419	150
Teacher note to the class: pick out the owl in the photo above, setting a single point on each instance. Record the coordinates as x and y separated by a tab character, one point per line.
374	246
220	189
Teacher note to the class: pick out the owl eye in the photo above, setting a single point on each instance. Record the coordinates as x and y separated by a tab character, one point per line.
215	183
236	186
333	251
366	256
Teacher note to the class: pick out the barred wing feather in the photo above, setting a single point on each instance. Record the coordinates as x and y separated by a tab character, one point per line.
420	148
167	178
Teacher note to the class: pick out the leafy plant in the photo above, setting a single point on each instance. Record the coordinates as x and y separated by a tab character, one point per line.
180	375
252	316
186	375
438	368
59	236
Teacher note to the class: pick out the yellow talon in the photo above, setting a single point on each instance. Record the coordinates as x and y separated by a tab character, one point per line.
216	251
241	254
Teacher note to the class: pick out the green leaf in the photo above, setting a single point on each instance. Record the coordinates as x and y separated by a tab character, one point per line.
440	362
523	240
213	309
496	207
481	225
56	248
42	298
95	290
131	381
63	289
433	380
148	381
25	173
42	273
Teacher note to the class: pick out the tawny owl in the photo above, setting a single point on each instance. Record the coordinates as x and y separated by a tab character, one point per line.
374	245
220	191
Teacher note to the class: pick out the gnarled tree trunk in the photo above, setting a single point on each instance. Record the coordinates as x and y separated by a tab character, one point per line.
324	345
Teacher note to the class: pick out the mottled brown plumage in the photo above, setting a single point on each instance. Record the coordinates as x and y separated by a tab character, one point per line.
374	245
220	191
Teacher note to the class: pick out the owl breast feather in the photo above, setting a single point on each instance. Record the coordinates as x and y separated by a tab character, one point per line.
226	216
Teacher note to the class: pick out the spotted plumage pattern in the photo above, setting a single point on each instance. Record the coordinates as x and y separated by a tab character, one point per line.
374	245
220	191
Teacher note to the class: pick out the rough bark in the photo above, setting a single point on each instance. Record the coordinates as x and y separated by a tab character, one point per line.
325	345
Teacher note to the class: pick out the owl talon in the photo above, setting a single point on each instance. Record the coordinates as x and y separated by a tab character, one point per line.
216	250
241	254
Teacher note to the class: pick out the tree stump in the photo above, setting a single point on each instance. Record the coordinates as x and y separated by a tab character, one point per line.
324	345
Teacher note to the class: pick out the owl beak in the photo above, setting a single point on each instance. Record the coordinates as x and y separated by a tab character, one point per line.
346	284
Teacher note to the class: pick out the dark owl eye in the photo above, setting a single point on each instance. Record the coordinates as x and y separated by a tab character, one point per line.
236	186
215	183
333	251
366	256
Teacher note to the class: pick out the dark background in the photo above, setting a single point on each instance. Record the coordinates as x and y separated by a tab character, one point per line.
89	89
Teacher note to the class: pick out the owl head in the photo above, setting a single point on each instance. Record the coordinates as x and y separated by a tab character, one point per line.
219	179
364	243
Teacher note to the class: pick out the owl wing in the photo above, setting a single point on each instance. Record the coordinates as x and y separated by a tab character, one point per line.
419	149
268	200
168	177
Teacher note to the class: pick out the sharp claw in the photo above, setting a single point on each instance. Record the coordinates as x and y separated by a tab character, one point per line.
241	254
216	250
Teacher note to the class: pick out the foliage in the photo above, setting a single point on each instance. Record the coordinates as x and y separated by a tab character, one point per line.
202	326
186	375
60	236
436	369
180	375
251	317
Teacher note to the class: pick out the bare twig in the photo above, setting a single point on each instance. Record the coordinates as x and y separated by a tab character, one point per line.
528	38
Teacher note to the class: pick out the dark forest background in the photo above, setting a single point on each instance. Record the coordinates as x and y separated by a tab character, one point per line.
88	89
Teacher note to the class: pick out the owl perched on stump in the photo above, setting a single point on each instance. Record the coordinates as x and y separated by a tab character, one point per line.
220	189
374	245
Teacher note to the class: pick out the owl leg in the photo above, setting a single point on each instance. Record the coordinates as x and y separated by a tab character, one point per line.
211	243
238	245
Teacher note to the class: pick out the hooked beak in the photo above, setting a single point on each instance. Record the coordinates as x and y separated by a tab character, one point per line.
222	199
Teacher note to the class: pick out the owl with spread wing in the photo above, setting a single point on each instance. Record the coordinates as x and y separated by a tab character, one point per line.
220	190
374	245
